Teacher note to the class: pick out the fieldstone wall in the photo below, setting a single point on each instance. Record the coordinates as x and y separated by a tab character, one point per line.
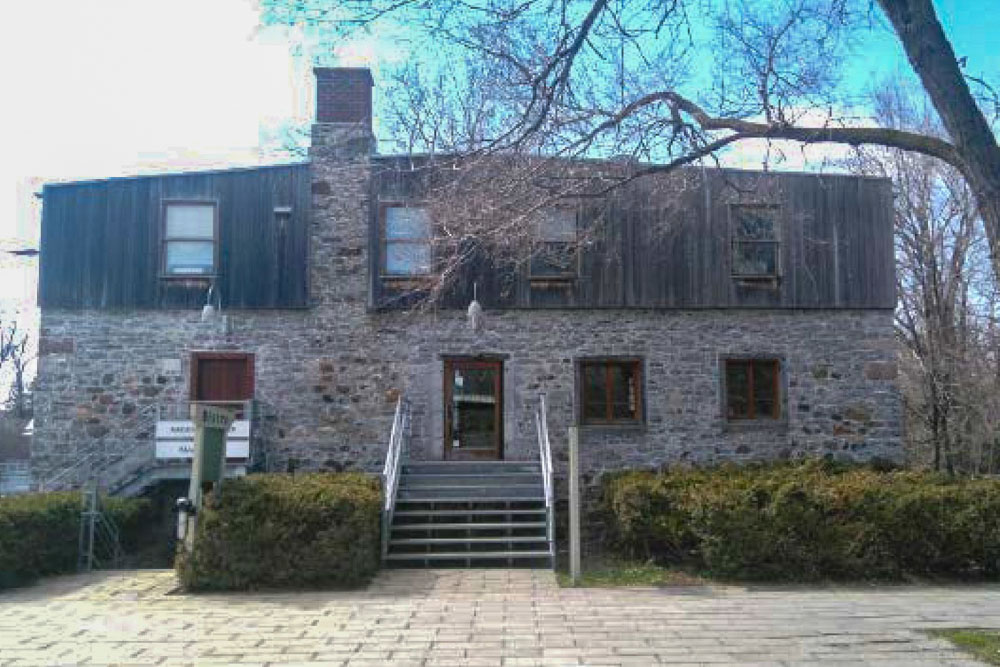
333	379
332	373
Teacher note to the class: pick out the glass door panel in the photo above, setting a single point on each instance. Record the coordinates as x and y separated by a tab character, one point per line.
473	417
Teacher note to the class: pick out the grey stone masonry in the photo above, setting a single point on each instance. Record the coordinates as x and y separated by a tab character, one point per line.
333	372
334	379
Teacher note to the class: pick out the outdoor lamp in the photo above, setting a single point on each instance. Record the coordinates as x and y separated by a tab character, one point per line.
209	312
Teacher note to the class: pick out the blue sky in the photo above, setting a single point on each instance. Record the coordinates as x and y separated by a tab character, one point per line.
973	26
111	87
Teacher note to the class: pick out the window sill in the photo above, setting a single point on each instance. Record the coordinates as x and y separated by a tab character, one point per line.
563	281
190	277
416	278
757	280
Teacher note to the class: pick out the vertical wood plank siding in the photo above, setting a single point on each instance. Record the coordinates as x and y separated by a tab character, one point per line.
101	240
101	244
648	251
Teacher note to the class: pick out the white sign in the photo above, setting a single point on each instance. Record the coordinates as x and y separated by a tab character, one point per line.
175	439
184	449
183	429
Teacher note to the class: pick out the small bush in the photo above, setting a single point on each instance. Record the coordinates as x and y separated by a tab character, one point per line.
286	531
39	532
809	521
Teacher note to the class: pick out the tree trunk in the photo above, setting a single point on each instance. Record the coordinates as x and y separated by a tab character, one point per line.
933	59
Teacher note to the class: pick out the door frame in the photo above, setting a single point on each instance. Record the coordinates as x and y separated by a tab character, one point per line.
449	367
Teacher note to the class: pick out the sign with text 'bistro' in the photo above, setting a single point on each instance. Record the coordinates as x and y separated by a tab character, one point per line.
175	439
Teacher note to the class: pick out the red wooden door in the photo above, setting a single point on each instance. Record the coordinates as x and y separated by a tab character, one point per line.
222	376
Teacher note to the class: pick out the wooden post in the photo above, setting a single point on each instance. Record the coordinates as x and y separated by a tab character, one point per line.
574	505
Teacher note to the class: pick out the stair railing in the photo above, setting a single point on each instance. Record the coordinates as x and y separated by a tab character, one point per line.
94	460
399	439
100	540
545	454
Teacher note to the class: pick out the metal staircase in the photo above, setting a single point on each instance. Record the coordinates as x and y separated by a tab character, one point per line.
465	513
468	513
124	462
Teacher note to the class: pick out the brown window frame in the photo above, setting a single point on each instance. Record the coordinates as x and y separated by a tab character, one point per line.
750	362
384	242
637	379
541	243
164	241
735	242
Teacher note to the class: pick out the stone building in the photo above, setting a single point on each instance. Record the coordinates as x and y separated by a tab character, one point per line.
759	327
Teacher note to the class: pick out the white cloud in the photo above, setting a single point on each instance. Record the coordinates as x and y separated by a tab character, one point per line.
793	155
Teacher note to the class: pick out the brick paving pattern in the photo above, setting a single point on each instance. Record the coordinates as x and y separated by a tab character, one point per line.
481	617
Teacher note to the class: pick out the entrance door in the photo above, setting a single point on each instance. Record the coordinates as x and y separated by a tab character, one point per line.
473	412
221	376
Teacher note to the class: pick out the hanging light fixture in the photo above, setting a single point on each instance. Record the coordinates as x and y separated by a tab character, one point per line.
210	311
475	311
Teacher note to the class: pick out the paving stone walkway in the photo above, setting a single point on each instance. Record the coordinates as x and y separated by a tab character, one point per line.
481	617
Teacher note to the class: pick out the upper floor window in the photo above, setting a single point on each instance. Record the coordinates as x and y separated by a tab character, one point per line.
752	389
554	256
755	241
190	234
610	391
406	241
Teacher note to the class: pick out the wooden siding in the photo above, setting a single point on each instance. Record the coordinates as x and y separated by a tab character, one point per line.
647	251
101	240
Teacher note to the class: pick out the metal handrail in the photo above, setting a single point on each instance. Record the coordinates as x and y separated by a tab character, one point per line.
98	453
96	461
398	444
545	454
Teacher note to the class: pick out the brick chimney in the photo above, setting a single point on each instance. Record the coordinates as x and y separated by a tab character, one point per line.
344	95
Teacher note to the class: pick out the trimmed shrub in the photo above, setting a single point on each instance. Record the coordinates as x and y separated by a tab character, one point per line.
809	521
311	530
39	532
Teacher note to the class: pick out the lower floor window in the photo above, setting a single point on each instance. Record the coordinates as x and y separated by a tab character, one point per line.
610	391
752	389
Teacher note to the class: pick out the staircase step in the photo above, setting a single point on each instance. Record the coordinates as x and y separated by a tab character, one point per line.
425	498
470	467
404	541
471	494
413	480
467	512
468	526
463	555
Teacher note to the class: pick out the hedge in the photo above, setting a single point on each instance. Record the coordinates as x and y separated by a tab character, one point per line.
309	530
39	532
809	521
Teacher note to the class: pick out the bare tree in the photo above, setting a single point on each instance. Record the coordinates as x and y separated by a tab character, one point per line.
15	355
946	311
613	78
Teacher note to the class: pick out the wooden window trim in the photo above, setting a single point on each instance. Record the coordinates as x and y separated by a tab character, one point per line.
383	242
734	242
750	362
164	274
567	276
199	356
637	379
